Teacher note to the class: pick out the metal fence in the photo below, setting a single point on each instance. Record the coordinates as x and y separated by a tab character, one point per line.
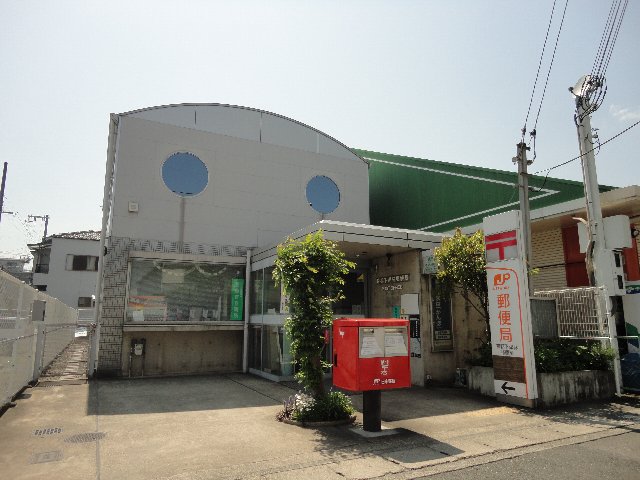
581	312
585	313
28	346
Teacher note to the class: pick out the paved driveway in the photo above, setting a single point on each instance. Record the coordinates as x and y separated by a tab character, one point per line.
224	426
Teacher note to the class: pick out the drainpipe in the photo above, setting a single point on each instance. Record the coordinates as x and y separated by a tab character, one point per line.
106	209
247	302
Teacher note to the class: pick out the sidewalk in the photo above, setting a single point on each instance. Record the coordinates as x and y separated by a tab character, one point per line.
224	427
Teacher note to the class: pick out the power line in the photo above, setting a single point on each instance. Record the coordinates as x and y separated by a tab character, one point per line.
589	151
535	83
609	37
550	67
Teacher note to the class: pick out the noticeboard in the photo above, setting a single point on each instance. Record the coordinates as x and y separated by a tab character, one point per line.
441	320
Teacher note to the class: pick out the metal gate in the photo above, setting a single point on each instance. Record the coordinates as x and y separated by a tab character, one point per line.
585	313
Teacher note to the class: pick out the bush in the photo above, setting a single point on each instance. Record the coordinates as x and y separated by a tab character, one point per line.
305	408
559	355
570	355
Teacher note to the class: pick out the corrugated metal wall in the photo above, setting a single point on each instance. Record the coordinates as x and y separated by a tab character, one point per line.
548	257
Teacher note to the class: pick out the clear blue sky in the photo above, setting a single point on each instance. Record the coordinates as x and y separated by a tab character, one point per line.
443	80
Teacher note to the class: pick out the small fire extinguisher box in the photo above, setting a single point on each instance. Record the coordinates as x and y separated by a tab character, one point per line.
371	354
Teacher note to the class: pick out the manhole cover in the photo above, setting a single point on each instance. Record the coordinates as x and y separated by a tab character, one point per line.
45	457
85	437
44	432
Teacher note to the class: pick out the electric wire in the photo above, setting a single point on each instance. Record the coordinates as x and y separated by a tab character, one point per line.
609	37
533	91
615	36
600	145
553	56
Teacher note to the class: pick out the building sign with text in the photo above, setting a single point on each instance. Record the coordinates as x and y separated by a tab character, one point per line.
509	310
442	325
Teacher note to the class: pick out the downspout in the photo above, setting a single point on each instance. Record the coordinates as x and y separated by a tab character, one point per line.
106	209
247	302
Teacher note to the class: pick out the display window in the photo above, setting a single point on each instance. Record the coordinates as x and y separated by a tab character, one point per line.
164	291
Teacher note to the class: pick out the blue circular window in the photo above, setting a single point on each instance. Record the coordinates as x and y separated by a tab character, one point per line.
185	174
323	194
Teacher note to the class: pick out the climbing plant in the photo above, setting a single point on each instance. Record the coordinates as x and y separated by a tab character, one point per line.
311	272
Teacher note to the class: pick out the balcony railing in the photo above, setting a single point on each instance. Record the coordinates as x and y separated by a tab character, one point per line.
42	268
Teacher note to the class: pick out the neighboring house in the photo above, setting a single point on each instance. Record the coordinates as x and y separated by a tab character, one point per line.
65	266
15	267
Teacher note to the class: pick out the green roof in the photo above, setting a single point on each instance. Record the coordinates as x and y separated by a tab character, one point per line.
419	194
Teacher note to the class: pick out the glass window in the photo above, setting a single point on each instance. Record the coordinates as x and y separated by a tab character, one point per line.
185	174
256	292
272	293
166	291
80	263
323	194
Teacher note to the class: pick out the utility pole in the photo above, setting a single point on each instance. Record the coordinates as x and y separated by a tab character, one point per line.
4	179
595	224
523	186
33	218
597	256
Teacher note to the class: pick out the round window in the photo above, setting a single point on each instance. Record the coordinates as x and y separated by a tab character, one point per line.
185	174
323	194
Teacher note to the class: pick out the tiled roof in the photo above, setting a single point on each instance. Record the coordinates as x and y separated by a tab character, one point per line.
84	235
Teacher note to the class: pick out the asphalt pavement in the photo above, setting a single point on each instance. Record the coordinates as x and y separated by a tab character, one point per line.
224	427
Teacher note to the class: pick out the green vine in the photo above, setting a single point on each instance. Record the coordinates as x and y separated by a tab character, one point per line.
311	272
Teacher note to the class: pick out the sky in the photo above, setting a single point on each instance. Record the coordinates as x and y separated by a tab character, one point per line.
441	80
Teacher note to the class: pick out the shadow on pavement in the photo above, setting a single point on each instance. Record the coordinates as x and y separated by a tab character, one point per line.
180	394
420	402
612	413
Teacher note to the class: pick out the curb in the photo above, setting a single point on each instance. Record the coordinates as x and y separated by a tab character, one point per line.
328	423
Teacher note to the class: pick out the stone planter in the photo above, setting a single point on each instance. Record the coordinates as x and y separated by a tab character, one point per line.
558	388
480	379
561	388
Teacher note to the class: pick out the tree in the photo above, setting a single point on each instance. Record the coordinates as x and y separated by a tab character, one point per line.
461	269
311	272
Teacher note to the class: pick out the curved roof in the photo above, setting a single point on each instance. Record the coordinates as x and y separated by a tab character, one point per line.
246	123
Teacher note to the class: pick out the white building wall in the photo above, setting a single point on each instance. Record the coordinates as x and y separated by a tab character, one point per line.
256	192
68	285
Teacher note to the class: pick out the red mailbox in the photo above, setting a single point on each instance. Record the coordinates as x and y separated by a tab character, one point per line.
371	353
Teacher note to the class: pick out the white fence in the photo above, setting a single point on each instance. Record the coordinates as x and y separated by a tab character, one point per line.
585	313
27	346
582	312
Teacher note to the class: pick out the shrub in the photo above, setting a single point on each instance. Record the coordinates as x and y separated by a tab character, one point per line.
305	408
568	355
558	355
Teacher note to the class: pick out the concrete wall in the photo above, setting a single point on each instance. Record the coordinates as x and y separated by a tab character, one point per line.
258	167
256	193
570	387
554	389
470	330
480	380
432	366
68	285
176	353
